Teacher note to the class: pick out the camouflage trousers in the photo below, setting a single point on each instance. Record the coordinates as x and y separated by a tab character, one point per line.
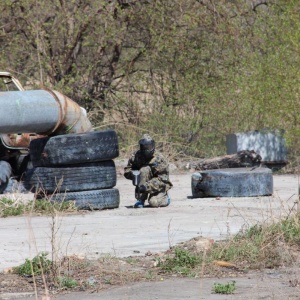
155	199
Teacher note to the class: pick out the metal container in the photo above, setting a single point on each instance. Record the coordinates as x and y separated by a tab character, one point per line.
270	145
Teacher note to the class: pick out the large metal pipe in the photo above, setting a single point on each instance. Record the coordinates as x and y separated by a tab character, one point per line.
41	111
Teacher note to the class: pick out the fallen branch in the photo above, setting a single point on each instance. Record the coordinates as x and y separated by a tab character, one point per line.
240	159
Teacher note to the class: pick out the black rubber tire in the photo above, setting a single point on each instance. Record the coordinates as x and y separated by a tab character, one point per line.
74	148
5	173
3	186
91	200
235	182
72	178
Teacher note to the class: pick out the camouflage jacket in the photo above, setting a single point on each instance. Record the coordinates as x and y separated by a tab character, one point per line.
159	168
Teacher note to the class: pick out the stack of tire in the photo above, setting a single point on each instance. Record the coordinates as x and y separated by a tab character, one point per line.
75	167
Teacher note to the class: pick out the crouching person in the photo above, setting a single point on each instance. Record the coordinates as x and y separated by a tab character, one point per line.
154	180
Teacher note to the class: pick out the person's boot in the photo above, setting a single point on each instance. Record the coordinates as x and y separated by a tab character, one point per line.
139	204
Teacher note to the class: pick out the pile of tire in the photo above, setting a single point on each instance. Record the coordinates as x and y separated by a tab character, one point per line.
75	167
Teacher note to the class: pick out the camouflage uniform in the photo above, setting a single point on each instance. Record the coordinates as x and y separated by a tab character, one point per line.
154	176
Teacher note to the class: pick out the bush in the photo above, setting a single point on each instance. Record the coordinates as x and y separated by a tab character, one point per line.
183	262
36	266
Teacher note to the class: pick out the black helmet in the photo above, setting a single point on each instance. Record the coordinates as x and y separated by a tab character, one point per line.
147	146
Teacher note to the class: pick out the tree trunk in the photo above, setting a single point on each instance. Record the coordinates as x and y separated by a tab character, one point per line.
240	159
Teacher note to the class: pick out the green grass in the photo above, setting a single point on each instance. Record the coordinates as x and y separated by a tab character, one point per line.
9	207
67	282
264	245
183	262
36	266
227	288
261	246
46	206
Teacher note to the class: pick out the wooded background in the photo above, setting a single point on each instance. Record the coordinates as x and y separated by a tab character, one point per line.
188	72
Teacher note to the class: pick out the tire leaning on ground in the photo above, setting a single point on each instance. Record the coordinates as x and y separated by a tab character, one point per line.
74	148
235	182
91	200
5	173
72	178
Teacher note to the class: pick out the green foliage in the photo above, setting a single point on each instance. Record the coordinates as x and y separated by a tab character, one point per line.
66	282
182	262
237	250
291	230
48	207
288	228
188	72
36	266
9	207
227	288
261	245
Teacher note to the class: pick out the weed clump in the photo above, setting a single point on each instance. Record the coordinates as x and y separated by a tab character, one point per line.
9	207
66	282
36	266
227	288
183	262
260	246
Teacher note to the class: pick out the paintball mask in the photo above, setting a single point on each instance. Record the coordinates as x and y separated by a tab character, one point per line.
147	146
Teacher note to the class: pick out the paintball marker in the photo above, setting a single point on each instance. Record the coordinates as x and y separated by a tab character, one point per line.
136	181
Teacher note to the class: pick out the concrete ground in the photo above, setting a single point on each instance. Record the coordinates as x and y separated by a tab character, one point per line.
126	231
257	285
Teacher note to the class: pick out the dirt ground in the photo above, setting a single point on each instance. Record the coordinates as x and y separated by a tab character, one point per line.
138	276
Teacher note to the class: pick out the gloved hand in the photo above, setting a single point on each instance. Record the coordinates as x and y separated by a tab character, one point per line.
142	188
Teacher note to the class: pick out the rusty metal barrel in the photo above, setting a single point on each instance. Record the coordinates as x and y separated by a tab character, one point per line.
41	111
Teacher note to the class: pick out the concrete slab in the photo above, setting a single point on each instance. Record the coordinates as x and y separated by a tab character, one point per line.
126	231
264	284
256	285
